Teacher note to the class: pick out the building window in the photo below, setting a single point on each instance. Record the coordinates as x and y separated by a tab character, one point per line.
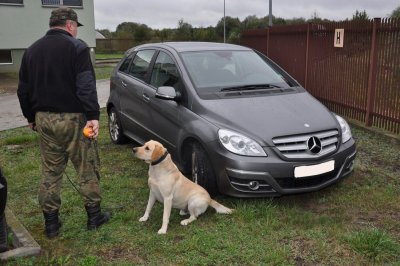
5	57
61	2
13	2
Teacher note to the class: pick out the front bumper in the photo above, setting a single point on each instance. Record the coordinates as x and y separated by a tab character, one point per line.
241	176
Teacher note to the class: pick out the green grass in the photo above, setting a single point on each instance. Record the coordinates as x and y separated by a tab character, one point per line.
9	75
103	72
109	56
375	244
355	222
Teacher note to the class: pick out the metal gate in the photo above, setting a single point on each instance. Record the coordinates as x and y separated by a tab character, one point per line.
360	80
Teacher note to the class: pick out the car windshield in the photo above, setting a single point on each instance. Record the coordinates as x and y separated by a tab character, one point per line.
213	71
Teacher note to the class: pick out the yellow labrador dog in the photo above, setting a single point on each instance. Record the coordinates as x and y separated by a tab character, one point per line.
169	186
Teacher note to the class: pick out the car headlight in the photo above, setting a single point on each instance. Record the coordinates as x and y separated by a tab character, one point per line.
239	144
346	132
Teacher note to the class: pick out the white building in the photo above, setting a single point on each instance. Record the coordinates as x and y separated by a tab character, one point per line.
25	21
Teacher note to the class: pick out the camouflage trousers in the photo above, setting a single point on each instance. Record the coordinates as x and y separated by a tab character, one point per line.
61	139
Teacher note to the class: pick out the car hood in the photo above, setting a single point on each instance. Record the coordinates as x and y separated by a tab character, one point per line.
263	118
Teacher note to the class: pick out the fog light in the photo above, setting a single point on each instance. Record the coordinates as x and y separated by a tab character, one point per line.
349	165
254	185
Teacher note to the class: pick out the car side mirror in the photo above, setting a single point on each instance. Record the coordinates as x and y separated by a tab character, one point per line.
167	93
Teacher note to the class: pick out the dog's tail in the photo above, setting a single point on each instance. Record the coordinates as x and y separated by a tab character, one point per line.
220	208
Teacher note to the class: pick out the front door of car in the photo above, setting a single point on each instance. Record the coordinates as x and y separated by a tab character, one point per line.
165	114
135	114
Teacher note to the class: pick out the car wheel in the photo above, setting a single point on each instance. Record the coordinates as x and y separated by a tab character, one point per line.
114	128
202	172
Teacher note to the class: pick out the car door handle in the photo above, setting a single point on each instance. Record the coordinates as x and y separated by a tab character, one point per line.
146	98
124	84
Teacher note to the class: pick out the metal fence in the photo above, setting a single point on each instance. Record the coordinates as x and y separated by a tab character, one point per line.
360	80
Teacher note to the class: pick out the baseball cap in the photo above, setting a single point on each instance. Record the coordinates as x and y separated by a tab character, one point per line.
62	14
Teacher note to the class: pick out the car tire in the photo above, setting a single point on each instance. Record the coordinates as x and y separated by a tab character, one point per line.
114	128
201	170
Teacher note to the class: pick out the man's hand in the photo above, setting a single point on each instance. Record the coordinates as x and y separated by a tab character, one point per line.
94	124
32	126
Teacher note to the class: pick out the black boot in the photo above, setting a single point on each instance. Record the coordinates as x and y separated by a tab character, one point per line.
3	233
52	223
95	217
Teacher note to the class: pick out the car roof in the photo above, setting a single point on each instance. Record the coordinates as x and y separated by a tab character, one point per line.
194	46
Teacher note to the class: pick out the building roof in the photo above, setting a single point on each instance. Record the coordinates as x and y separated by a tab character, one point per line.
99	35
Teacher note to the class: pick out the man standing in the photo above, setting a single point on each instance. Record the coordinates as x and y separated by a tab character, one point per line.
57	94
3	222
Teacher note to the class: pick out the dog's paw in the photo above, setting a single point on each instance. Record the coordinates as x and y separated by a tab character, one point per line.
183	212
143	219
162	231
185	222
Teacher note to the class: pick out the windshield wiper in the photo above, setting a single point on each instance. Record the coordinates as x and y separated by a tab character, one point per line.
250	87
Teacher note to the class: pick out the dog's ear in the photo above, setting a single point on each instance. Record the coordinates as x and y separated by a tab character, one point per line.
157	153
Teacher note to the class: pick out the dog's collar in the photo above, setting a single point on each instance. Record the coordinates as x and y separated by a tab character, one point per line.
159	160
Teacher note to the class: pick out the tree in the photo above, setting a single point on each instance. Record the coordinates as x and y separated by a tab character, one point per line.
230	24
132	30
184	32
142	33
296	21
315	18
126	29
253	22
396	13
163	35
205	34
106	33
234	36
277	20
360	15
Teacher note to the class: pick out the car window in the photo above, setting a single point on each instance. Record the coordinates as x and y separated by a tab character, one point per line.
141	63
165	72
124	66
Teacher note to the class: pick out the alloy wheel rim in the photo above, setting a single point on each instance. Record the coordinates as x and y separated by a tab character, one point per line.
114	129
194	168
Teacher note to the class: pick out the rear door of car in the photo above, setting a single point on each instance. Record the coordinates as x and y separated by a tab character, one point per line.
134	113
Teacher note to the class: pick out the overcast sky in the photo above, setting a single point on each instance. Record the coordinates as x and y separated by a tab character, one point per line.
160	14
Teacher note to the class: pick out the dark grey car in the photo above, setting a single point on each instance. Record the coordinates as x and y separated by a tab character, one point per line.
233	120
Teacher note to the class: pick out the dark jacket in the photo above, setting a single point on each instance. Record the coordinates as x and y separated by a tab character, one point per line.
57	75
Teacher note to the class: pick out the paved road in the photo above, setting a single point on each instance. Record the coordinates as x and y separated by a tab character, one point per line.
10	111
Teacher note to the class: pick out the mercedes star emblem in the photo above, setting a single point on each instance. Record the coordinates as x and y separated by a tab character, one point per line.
314	145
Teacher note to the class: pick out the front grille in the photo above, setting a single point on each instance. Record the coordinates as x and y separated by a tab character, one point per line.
295	147
313	181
